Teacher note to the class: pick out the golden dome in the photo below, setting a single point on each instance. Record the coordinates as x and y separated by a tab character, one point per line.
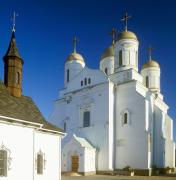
108	52
126	35
150	63
75	56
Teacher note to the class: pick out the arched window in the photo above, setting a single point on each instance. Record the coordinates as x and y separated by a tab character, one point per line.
147	81
3	162
136	58
125	118
85	81
81	83
106	71
120	58
89	81
86	119
17	78
40	163
68	75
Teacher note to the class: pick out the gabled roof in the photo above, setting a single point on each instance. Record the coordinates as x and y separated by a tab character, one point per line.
83	142
22	108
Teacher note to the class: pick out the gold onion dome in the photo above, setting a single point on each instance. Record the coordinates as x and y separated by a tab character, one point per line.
150	63
126	35
75	56
108	52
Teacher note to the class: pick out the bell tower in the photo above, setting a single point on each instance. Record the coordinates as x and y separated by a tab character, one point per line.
13	67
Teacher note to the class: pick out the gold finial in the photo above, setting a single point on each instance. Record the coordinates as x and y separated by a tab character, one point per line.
75	41
113	33
150	49
14	21
126	18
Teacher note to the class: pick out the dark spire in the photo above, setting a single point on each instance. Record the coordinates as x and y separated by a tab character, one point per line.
12	50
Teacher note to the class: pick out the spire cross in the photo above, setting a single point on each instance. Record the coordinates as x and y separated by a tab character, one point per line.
113	33
75	41
14	21
150	49
126	18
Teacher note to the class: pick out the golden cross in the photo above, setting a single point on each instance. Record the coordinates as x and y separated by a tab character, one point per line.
14	21
113	33
75	40
126	18
150	49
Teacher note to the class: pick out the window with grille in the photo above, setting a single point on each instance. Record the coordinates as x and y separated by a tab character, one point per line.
3	163
40	161
86	119
120	58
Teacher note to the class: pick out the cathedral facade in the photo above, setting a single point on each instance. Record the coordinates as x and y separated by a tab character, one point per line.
114	116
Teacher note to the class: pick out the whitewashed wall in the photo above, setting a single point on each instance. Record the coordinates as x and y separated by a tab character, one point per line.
24	143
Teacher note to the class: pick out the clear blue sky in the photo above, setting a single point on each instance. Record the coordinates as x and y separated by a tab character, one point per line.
45	29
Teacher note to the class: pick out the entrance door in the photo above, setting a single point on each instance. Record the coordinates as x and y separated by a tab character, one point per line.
75	163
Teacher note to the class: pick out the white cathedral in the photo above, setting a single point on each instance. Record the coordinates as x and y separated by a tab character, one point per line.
114	116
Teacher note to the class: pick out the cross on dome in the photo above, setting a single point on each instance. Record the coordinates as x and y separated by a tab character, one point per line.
75	41
125	19
150	49
113	34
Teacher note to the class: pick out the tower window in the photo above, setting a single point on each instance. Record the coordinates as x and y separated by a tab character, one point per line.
86	119
85	81
136	58
68	75
3	163
106	71
147	81
81	83
18	78
120	58
40	163
89	81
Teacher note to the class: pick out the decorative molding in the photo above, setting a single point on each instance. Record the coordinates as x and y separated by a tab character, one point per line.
9	158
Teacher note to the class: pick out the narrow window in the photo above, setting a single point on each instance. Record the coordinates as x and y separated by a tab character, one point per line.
3	163
86	119
81	83
68	75
89	81
147	81
120	58
106	71
39	164
18	78
65	126
136	58
125	120
85	81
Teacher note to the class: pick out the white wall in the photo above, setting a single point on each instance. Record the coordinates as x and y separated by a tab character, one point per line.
24	143
131	138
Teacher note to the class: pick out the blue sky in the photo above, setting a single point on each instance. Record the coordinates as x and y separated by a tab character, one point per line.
45	28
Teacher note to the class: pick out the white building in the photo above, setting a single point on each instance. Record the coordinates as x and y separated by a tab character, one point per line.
115	116
30	147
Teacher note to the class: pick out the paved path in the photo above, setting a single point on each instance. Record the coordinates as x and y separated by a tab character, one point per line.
102	177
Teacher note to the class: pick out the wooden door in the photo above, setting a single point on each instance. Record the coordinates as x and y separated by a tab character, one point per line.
75	163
